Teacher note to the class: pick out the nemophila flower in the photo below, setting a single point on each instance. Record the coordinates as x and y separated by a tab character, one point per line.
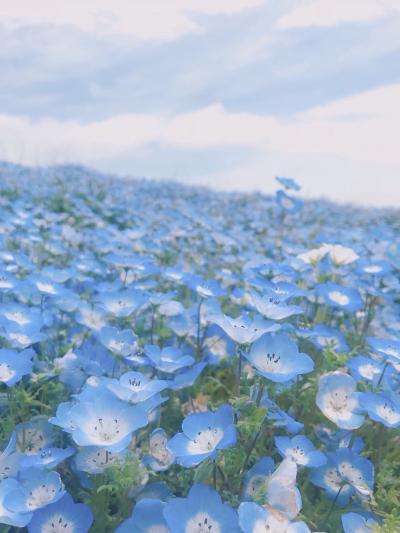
279	417
47	457
170	308
101	420
160	457
36	488
63	516
377	268
383	407
186	377
282	493
364	368
34	435
344	298
135	387
205	288
356	523
147	517
122	303
288	203
22	337
14	365
288	183
337	399
203	435
327	337
277	358
7	282
244	329
389	348
8	516
94	459
93	317
340	255
342	438
168	359
301	450
45	285
10	460
21	315
272	306
254	518
255	480
122	343
202	511
346	474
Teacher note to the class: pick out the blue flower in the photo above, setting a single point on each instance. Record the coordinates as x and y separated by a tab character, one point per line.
160	457
288	183
62	516
256	519
344	298
168	359
94	459
345	474
147	516
14	365
203	435
119	342
387	347
255	480
135	387
277	358
244	329
201	511
99	419
356	523
337	399
383	408
8	516
301	450
365	368
47	457
186	377
37	488
272	306
326	336
288	203
122	303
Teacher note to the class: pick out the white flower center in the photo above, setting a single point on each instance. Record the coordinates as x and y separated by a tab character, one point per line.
338	297
6	372
58	524
40	496
46	287
332	479
107	430
17	317
205	440
372	269
387	412
202	523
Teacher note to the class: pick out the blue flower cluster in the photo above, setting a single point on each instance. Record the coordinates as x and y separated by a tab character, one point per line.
176	360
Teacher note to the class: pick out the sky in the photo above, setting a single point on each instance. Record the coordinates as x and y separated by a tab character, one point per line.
224	93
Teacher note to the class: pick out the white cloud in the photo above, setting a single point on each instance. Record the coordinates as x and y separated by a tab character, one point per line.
141	19
332	12
358	134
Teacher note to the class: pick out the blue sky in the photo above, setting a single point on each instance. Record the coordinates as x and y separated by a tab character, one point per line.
227	93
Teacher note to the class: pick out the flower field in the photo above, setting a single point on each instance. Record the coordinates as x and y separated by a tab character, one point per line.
180	360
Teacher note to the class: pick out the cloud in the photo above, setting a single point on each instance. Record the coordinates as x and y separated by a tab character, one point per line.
330	13
357	136
143	20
